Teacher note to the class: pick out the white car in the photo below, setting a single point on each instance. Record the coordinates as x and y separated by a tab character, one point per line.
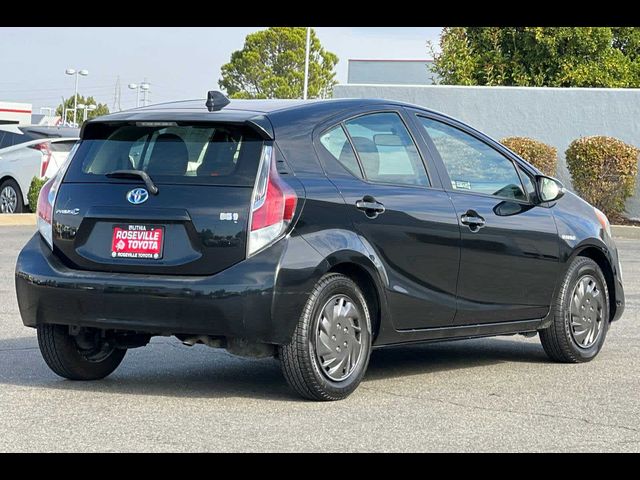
27	152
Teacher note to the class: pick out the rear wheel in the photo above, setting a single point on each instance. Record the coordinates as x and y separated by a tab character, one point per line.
86	356
330	348
580	315
11	197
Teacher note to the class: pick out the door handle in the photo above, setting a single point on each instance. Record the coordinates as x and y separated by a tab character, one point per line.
370	206
474	221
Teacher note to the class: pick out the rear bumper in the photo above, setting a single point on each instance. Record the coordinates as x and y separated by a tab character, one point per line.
237	302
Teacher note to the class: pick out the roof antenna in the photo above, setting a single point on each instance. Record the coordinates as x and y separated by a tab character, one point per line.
216	101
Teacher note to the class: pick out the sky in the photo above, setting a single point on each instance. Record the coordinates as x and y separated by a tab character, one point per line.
178	62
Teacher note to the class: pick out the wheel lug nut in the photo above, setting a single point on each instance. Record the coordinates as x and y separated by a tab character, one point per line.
345	344
346	329
338	325
333	337
338	349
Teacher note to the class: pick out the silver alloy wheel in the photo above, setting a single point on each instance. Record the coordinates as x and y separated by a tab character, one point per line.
338	338
586	312
8	200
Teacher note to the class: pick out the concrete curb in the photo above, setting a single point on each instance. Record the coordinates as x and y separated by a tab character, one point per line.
17	219
625	231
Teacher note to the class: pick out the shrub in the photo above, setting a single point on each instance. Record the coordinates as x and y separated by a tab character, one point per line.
604	171
34	191
542	156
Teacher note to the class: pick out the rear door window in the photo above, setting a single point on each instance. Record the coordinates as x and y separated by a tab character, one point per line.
386	150
169	153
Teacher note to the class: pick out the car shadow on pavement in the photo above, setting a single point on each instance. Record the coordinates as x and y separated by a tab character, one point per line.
425	358
168	368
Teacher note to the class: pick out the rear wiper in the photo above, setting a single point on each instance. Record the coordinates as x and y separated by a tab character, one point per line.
153	190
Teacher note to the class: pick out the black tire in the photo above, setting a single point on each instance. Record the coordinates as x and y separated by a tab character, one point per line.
557	339
63	356
300	363
13	185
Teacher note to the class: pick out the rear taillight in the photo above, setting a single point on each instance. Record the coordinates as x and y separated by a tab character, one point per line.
47	200
45	148
44	211
272	207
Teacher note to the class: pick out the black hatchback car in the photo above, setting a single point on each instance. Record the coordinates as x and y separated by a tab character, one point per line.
312	231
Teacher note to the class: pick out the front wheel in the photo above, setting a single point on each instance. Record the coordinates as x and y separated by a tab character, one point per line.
329	352
85	356
580	315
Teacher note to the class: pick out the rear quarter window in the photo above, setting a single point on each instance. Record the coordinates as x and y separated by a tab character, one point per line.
203	153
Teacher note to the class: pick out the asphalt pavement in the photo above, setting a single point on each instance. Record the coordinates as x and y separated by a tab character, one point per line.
498	394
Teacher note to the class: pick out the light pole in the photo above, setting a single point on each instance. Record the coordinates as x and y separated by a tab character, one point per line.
145	87
81	106
86	108
134	86
306	65
90	108
73	71
64	111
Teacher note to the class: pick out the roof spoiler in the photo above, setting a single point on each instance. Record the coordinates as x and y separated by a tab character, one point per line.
262	125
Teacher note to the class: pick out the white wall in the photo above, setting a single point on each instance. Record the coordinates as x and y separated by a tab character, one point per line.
555	116
397	72
15	112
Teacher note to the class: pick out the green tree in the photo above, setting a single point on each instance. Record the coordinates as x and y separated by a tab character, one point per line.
271	65
101	108
539	56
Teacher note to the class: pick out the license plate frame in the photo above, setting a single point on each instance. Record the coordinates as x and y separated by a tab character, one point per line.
125	248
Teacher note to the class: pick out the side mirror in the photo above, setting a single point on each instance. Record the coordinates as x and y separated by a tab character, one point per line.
549	189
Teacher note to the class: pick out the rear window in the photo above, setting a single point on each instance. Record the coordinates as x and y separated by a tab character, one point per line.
169	152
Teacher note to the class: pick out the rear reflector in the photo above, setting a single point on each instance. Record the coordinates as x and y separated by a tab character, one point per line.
273	205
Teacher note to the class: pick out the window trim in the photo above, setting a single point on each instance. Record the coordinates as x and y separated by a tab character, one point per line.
521	171
364	176
472	133
355	154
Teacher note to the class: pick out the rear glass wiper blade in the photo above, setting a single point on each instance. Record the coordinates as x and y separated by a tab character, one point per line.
153	190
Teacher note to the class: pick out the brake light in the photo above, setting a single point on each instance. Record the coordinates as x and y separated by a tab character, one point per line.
44	211
273	205
47	200
45	148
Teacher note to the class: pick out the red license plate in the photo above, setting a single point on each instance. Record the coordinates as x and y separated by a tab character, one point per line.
137	241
